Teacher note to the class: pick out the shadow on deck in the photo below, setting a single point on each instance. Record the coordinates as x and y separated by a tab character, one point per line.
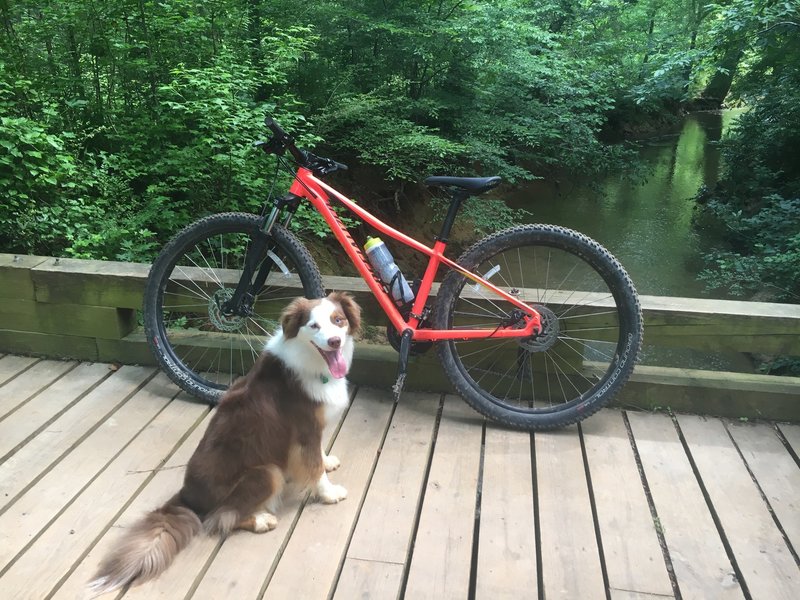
441	504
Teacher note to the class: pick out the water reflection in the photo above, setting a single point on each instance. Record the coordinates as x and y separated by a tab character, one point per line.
646	224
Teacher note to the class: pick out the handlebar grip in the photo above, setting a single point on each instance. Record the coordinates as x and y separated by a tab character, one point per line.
276	129
286	140
340	166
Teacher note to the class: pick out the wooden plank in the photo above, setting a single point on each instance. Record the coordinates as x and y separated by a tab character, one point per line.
90	282
768	568
440	564
48	344
19	390
380	543
167	479
776	473
792	435
52	556
369	579
15	276
386	521
31	512
12	366
631	549
507	541
712	393
48	404
67	319
322	532
27	464
570	555
698	557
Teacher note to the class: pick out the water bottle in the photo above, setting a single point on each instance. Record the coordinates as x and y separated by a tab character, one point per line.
381	260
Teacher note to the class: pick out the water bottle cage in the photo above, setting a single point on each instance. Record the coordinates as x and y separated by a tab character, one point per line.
396	281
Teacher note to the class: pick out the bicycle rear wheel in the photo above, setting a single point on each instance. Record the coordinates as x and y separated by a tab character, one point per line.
195	343
592	327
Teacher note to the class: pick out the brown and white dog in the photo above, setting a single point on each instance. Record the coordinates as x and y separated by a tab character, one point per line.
266	431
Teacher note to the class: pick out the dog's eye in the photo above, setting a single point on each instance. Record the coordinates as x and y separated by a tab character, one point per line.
314	325
339	321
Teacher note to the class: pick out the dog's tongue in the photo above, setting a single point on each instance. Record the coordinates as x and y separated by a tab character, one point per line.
336	363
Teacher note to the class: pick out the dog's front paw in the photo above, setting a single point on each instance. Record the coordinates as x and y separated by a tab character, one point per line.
264	522
331	463
332	494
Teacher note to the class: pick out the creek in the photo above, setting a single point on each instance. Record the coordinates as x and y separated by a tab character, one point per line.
646	224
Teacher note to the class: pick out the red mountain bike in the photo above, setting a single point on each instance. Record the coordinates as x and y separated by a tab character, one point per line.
536	326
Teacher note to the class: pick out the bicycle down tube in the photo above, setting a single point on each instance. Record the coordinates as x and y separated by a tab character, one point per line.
317	192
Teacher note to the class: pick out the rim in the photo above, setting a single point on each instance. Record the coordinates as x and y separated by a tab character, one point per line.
578	349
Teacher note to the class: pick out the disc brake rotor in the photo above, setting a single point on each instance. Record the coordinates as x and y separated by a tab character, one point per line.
218	319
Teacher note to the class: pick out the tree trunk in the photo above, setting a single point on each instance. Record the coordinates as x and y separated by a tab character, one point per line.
720	84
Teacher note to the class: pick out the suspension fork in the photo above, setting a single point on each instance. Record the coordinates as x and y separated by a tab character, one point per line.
244	296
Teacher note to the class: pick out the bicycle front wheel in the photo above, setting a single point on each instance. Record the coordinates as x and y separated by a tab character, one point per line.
198	346
592	327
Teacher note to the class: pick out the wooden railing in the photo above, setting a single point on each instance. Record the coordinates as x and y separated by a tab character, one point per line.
87	310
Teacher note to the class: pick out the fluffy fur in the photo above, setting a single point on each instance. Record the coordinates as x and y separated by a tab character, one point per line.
266	431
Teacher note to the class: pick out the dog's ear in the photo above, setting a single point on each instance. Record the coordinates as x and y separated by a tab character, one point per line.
294	317
351	310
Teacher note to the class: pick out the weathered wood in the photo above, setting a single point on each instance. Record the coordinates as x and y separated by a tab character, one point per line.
792	435
633	557
32	511
768	568
440	563
49	344
19	390
15	275
698	556
570	554
380	542
685	322
718	393
11	366
52	445
776	473
87	473
67	538
67	319
507	540
90	282
369	579
49	405
321	535
387	518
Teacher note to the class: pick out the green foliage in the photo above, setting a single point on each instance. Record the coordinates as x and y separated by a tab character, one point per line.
121	121
757	201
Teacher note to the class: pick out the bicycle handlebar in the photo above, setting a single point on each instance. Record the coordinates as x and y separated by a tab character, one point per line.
318	164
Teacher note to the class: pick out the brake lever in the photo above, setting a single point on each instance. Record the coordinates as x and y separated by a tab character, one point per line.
271	146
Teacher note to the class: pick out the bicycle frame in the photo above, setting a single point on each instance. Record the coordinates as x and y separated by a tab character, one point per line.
307	186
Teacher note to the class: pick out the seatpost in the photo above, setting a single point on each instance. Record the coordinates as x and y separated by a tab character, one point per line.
458	197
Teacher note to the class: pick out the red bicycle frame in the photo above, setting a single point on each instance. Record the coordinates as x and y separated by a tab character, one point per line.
307	186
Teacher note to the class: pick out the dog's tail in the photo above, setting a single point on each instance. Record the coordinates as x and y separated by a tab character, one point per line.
148	548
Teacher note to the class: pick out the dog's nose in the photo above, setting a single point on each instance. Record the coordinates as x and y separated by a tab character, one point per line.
334	342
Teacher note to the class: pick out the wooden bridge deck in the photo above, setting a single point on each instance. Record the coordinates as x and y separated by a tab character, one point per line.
441	505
